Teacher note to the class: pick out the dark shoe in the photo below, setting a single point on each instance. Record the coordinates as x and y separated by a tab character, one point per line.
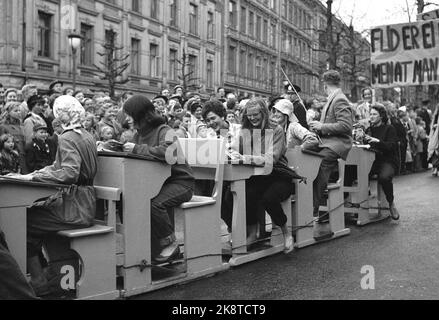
168	253
394	212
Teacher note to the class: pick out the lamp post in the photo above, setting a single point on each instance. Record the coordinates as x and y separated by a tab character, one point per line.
75	43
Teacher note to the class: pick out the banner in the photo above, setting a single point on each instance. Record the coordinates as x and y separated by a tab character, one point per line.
405	54
431	15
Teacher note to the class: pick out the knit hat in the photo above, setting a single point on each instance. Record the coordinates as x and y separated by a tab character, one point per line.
286	107
138	106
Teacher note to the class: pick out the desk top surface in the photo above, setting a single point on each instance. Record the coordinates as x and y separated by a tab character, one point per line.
5	180
128	156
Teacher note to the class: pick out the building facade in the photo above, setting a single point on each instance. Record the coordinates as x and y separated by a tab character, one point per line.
239	44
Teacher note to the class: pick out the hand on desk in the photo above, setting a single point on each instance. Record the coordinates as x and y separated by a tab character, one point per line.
129	147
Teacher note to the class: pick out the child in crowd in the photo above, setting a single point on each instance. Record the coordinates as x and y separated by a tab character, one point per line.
89	124
106	134
129	131
231	116
9	157
108	119
38	153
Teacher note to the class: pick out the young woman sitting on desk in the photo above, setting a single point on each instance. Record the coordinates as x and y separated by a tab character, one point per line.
266	143
75	165
382	137
151	140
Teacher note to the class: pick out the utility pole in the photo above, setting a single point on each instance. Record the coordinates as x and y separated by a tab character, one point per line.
329	36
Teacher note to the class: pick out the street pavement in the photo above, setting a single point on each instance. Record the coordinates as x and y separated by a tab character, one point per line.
404	255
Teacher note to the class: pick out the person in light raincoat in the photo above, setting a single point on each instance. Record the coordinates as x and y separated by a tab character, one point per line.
74	208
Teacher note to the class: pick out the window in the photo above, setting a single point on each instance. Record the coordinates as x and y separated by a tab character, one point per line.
193	71
210	26
258	68
193	19
243	20
250	66
285	9
173	64
154	60
273	35
209	71
135	56
258	27
251	24
154	9
242	62
232	14
284	41
110	43
173	13
87	45
44	34
232	59
265	32
135	5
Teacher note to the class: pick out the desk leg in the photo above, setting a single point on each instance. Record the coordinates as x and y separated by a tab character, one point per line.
304	215
14	225
362	198
136	230
239	223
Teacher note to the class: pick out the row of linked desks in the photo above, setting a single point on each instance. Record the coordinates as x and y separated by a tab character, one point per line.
140	179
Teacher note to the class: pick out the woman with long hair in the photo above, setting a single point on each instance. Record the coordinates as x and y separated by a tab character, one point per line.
261	141
383	138
153	139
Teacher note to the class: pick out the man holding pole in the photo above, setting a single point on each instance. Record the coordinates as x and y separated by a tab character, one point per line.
335	129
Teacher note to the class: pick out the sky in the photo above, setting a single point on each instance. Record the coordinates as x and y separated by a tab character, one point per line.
372	13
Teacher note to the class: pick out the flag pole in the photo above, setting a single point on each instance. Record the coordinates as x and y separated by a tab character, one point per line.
295	91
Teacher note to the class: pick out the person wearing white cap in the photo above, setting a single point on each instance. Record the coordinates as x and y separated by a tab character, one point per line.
75	165
282	114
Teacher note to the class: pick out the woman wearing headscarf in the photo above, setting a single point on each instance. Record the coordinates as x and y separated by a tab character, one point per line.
76	166
153	138
282	114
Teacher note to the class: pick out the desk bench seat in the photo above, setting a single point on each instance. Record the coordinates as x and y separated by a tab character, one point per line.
87	232
198	201
96	249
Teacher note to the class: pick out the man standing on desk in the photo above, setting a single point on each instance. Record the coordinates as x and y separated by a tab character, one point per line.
75	165
335	129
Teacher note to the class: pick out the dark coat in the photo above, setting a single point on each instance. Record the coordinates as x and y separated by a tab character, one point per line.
387	149
38	155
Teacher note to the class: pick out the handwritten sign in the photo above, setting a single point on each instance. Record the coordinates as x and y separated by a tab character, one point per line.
431	15
405	54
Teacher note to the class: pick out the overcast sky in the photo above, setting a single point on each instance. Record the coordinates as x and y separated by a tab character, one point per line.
370	13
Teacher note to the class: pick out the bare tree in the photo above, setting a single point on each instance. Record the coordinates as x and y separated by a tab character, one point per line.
114	64
186	74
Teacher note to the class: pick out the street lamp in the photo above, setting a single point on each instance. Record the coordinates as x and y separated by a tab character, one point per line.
75	43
